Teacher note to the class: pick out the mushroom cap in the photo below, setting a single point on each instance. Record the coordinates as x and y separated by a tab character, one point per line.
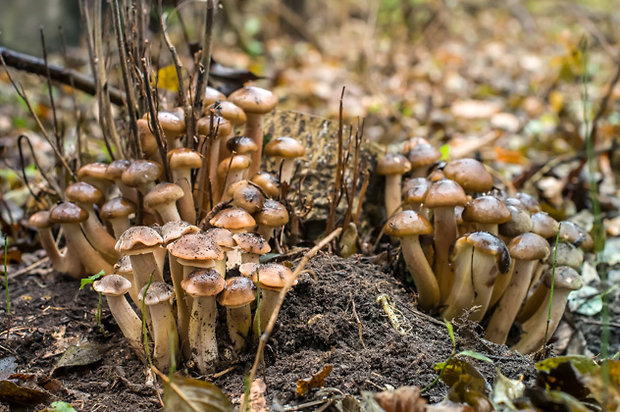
112	285
565	278
272	276
221	126
252	243
96	171
233	163
407	223
117	207
241	145
571	232
195	247
234	219
393	164
148	143
544	225
444	193
529	246
254	99
83	192
158	292
486	209
239	291
519	223
138	240
141	172
123	266
171	123
222	237
172	231
491	245
211	96
248	269
470	174
273	213
40	220
246	196
285	147
415	190
567	255
229	111
203	282
423	155
184	158
117	167
163	193
413	142
268	182
67	212
529	201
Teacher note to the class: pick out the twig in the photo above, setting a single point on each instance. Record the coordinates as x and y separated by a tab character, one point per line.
274	316
32	266
202	73
51	182
357	319
331	218
604	104
175	389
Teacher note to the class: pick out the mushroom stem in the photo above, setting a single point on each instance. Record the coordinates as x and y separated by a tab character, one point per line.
392	193
202	333
532	303
462	294
267	306
287	169
97	234
483	276
119	225
129	323
143	266
254	129
423	277
445	234
176	274
91	259
187	210
239	321
61	262
163	327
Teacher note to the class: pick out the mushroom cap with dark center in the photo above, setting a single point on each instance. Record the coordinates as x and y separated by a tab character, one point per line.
97	171
519	223
229	111
123	266
486	209
112	285
163	193
40	220
233	164
254	99
415	189
67	212
137	240
470	174
252	243
407	223
246	196
117	207
221	126
445	193
195	247
239	291
203	282
268	182
423	155
222	237
393	164
273	213
117	167
567	255
184	158
172	231
158	292
233	218
211	96
83	192
565	278
241	145
272	276
529	246
491	245
141	172
285	147
544	225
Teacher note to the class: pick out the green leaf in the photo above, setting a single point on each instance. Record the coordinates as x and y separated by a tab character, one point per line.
582	364
191	395
445	152
475	355
451	333
61	407
90	280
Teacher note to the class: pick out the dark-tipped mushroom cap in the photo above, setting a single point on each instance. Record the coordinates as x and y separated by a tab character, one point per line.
229	111
158	292
565	278
268	182
470	174
222	237
234	219
172	231
252	243
117	167
241	145
393	164
141	172
529	246
112	285
163	193
273	213
67	212
239	291
519	222
445	193
423	155
40	220
285	147
246	196
184	158
544	225
486	209
116	208
254	99
138	239
83	192
272	276
203	282
211	96
407	223
195	247
491	245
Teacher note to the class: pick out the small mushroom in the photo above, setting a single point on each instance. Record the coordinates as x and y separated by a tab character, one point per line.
285	150
252	246
158	298
182	161
162	198
272	215
393	167
270	278
117	211
239	293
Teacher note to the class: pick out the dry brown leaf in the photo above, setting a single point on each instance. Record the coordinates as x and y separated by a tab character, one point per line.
403	399
317	381
258	403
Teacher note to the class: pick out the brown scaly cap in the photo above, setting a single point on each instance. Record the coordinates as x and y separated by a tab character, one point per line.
163	193
229	111
486	209
407	223
172	231
252	243
195	247
393	164
254	99
273	213
203	282
285	147
423	155
222	237
112	285
233	218
117	207
67	212
141	172
184	158
241	145
491	245
137	239
470	174
246	196
158	292
444	193
272	275
544	225
529	246
268	182
239	291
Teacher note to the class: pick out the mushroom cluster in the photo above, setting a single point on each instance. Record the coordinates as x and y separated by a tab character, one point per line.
185	242
475	250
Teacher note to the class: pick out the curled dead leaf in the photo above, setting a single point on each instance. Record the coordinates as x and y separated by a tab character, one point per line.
403	399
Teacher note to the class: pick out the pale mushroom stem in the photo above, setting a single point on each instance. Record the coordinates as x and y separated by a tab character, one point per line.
168	212
202	333
392	193
254	129
185	205
462	294
265	231
446	232
91	259
128	321
484	273
119	225
287	168
176	274
98	236
61	262
232	178
214	156
532	303
423	277
239	321
143	266
268	302
499	287
509	305
163	327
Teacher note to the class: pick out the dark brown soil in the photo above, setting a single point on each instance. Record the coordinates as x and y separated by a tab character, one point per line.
331	316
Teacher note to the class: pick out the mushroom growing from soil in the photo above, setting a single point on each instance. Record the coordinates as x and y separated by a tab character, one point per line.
270	278
393	167
158	299
114	287
117	212
252	246
470	174
272	215
408	225
285	150
239	293
203	285
162	198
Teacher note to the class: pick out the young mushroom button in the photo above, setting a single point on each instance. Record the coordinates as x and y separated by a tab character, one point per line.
271	278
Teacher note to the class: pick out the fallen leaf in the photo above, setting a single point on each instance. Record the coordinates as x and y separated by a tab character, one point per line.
80	355
403	399
258	403
317	381
191	395
14	394
506	390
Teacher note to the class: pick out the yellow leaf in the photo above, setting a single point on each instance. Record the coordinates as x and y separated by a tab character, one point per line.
167	78
317	381
556	100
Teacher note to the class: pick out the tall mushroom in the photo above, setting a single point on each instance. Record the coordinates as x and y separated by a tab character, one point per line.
162	198
182	161
117	212
393	167
158	299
